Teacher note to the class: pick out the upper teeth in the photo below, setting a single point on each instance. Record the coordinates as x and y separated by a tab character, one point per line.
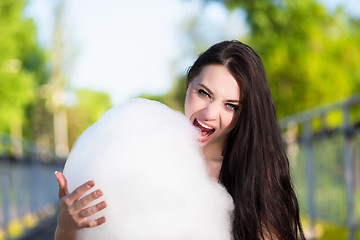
203	125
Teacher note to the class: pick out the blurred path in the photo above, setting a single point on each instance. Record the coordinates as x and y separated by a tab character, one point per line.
44	231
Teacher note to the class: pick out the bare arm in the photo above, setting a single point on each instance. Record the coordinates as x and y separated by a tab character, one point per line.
73	212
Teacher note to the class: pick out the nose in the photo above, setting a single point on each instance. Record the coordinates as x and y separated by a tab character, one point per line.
211	111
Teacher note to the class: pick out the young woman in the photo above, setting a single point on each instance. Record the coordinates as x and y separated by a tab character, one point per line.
229	100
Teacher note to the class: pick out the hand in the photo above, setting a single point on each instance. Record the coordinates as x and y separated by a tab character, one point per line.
73	212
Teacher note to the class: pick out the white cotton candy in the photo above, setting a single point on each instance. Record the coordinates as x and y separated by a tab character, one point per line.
144	157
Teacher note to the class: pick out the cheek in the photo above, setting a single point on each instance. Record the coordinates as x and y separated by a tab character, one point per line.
188	107
229	121
193	105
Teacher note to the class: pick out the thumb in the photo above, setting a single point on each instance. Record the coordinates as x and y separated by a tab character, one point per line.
63	188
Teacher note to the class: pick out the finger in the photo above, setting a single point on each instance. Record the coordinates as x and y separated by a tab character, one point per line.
63	188
85	223
92	210
79	191
97	222
87	199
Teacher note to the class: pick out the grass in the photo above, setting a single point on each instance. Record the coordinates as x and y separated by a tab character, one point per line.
327	231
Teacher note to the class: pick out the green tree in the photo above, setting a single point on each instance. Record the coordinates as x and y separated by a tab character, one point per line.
311	56
21	66
90	106
175	98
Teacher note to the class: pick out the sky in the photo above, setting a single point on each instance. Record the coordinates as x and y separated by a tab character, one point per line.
130	47
124	47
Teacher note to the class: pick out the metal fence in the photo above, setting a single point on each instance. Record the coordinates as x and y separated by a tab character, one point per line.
323	146
28	188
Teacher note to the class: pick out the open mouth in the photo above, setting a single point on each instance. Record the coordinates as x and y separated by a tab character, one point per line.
205	130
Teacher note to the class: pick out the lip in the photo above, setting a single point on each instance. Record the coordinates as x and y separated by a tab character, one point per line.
205	126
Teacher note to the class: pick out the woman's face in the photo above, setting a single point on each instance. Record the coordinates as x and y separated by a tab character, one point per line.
212	99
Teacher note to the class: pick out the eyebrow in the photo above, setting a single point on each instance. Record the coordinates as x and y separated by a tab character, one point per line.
207	89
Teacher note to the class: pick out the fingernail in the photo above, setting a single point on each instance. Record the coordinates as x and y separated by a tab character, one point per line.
91	183
103	205
98	193
56	172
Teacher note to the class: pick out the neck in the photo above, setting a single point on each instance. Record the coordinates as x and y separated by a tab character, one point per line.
213	159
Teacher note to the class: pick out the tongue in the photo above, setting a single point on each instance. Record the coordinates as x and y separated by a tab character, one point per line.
204	133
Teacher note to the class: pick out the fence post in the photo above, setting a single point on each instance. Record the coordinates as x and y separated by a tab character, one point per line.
4	187
310	174
349	172
4	181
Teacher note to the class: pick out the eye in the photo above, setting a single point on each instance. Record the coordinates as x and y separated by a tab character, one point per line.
232	106
203	93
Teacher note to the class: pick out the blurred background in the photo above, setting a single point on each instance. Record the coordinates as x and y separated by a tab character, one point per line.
65	63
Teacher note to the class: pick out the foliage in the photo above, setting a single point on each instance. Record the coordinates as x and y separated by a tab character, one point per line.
175	98
311	56
329	231
21	63
91	105
26	90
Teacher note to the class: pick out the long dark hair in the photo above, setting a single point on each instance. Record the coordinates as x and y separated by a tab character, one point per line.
255	169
